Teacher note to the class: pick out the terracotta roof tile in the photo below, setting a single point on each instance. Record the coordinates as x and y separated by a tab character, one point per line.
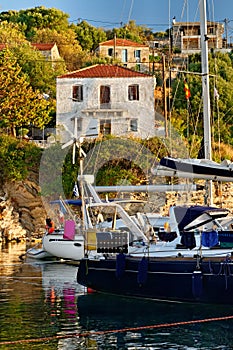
43	47
121	42
104	71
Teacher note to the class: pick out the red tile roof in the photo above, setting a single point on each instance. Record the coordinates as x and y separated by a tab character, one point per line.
43	47
121	42
104	71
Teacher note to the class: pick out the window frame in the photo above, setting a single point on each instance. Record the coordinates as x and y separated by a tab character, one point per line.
110	51
133	92
133	125
105	96
137	55
77	93
124	55
105	126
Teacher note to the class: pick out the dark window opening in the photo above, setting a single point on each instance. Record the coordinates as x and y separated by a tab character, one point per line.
77	93
133	92
104	96
110	52
133	125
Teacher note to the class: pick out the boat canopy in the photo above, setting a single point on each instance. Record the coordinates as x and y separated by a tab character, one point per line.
189	218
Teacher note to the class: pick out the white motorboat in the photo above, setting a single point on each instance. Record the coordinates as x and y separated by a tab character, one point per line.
38	253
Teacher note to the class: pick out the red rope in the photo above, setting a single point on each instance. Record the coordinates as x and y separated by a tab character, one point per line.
86	334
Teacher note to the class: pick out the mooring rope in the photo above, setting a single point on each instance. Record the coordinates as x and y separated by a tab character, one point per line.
121	330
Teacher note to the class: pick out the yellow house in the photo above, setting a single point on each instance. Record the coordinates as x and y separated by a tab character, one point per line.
133	55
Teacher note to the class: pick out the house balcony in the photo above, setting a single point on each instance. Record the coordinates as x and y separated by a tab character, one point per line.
104	113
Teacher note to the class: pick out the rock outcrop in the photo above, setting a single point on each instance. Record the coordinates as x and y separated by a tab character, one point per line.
22	214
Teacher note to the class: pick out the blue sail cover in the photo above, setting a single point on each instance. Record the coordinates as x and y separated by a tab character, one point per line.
68	201
196	166
185	215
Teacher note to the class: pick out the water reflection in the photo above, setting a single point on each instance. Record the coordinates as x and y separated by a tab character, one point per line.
102	312
37	300
42	301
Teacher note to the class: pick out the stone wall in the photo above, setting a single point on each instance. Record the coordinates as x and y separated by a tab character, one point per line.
222	197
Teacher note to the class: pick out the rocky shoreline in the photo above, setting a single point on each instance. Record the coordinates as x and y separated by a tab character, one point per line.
22	214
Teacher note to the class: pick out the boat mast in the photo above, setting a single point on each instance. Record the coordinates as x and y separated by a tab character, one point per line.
205	89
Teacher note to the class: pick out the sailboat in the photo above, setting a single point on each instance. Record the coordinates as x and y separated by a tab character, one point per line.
200	276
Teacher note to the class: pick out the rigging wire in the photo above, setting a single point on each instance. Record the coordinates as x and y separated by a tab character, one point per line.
130	10
215	91
122	11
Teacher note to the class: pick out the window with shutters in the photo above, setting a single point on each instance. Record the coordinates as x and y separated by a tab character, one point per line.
77	93
137	55
133	92
124	55
104	96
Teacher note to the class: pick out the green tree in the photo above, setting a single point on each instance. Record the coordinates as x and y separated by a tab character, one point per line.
41	72
37	18
20	105
11	33
189	114
17	158
68	46
130	31
88	36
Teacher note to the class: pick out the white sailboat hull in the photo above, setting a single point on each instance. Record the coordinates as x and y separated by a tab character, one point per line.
58	246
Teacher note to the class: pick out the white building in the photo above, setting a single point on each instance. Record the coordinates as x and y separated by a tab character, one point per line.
105	99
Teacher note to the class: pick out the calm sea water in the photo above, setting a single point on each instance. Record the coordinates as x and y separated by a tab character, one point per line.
41	305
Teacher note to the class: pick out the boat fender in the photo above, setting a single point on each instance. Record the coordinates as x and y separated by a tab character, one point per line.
142	271
120	265
197	284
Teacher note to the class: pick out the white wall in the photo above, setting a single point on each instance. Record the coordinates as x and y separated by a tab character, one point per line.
143	109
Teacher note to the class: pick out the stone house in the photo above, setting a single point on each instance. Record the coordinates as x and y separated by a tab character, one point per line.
186	36
131	54
105	99
49	51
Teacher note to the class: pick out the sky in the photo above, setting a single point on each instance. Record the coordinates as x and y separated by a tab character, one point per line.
155	14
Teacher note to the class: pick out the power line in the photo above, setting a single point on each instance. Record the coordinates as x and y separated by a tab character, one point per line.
96	21
120	23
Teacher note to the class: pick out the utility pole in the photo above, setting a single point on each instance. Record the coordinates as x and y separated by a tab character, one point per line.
114	47
226	21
